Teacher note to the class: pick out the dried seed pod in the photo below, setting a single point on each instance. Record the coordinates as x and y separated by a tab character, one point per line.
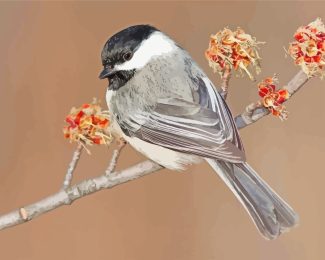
235	50
88	125
308	49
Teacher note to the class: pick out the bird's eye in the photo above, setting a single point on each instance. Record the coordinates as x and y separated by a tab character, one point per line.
106	62
109	66
127	56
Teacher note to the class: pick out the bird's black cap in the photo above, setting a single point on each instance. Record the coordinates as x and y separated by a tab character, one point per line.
128	39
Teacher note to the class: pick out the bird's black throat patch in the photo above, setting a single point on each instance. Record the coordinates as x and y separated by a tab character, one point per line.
120	78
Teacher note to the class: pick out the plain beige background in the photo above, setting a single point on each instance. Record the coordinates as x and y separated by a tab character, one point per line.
49	62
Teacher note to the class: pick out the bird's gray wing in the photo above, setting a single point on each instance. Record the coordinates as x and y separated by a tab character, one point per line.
205	128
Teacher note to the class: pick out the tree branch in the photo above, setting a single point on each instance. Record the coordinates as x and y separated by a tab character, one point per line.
255	111
66	196
82	189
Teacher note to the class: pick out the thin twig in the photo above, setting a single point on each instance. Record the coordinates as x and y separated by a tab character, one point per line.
296	82
256	111
225	82
116	154
72	166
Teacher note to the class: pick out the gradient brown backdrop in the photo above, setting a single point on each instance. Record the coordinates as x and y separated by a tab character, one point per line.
49	61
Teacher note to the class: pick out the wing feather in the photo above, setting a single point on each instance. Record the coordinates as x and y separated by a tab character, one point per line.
205	130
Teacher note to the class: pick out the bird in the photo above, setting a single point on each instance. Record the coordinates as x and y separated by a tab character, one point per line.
163	104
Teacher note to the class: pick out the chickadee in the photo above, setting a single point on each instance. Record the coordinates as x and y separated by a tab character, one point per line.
164	105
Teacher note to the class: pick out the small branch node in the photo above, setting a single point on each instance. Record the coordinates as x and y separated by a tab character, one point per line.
23	214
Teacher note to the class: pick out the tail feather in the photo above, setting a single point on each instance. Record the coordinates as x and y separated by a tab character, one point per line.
270	213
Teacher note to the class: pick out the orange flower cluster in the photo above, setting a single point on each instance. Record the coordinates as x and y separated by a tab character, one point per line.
272	99
233	50
308	49
87	125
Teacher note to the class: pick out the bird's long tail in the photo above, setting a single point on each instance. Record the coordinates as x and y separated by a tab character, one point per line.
270	213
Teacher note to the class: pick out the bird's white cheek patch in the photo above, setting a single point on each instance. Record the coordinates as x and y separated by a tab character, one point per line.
157	44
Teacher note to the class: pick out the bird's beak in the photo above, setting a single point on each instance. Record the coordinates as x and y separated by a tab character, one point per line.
106	73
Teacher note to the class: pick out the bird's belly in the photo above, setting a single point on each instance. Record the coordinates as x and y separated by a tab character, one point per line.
168	158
